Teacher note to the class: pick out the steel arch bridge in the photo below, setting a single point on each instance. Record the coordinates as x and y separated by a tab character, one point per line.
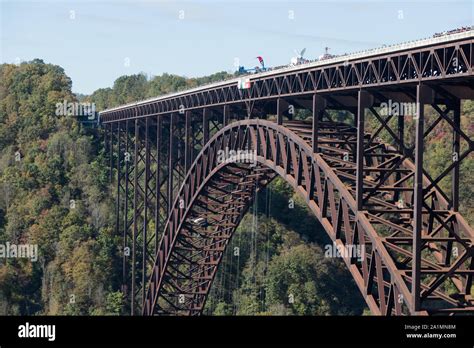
178	202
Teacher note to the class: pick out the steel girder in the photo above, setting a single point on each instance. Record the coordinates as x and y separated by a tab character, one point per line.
438	62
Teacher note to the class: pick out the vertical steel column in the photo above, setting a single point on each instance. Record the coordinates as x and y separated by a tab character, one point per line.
423	96
145	207
180	146
401	148
225	119
280	122
118	197
279	112
171	161
117	201
135	213
456	152
205	126
111	150
105	140
401	133
187	141
319	104
159	133
364	100
193	140
126	253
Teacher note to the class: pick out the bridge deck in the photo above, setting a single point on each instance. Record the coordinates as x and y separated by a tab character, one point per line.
427	64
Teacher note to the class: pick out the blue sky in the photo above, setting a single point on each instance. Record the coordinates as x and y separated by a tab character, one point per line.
98	41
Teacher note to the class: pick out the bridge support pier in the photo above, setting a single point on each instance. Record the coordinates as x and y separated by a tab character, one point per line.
171	159
318	106
424	95
456	153
126	248
364	100
158	180
135	217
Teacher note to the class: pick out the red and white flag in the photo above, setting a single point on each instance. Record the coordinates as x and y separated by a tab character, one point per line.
243	83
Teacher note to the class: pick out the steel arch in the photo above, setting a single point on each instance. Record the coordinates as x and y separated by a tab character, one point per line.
188	255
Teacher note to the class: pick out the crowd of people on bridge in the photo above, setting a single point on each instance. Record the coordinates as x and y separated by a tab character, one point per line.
328	56
454	31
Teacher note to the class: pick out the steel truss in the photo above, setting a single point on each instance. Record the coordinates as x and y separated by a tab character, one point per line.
352	183
221	193
445	61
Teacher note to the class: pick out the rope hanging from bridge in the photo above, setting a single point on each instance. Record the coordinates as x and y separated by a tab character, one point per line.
253	254
268	204
236	301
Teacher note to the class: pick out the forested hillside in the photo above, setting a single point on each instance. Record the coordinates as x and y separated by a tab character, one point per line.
53	184
54	192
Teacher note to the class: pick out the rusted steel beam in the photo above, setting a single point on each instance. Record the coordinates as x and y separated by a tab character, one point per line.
126	248
279	111
119	177
318	106
205	126
135	216
187	141
424	95
146	208
364	100
159	159
171	159
110	132
456	155
225	115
